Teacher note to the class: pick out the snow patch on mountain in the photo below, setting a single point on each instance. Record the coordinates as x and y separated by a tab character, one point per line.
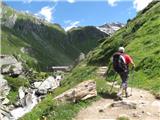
110	28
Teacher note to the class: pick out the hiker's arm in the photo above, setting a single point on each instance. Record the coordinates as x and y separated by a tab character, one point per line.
133	65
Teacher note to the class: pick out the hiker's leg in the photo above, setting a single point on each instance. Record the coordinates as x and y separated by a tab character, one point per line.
125	83
121	87
124	77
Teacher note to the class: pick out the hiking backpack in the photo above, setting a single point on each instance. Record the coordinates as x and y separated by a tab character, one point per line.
119	64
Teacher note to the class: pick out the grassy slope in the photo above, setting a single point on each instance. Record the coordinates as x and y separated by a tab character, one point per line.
40	37
140	40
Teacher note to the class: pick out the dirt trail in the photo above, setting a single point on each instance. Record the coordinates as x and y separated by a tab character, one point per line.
142	105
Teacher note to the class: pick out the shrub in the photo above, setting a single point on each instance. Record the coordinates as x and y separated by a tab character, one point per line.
15	83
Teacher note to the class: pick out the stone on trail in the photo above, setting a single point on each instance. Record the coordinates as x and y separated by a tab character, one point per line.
101	110
125	104
148	113
82	91
136	114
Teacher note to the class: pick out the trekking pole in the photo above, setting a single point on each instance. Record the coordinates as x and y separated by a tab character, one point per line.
132	78
110	65
113	82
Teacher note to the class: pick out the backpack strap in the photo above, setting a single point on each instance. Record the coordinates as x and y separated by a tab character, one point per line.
122	55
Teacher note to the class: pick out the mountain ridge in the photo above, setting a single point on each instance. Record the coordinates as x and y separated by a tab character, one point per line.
34	35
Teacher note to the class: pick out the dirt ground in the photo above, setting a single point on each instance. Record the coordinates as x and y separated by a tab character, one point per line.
142	105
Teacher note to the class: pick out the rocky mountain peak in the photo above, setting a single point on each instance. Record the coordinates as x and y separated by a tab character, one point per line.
110	28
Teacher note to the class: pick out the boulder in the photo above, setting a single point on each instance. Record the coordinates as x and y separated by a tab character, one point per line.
13	70
82	91
49	84
37	84
6	118
26	97
59	77
9	65
1	116
21	94
81	57
5	69
29	99
4	88
17	69
7	59
5	101
5	115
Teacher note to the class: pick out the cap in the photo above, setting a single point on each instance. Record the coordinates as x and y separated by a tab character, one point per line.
121	49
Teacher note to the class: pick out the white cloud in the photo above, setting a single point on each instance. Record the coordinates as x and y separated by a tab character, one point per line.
71	1
140	4
71	24
112	2
46	12
27	1
27	11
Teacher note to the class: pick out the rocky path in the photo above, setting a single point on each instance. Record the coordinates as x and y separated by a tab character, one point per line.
140	106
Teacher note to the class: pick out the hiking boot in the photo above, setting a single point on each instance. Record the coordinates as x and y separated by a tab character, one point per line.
119	98
126	94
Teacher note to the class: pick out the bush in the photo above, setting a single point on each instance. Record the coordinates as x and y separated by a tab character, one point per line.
15	83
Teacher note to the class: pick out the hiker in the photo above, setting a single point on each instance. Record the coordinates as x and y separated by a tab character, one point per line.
121	63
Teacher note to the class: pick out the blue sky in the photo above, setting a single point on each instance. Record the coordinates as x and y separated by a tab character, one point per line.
72	13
